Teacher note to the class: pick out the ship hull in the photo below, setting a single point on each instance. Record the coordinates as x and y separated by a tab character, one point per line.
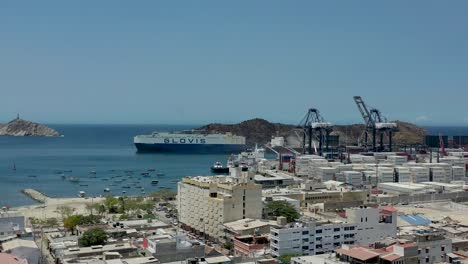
190	148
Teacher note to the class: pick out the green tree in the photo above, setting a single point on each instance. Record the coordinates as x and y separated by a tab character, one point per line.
274	209
71	222
100	209
286	259
64	211
111	204
93	237
51	222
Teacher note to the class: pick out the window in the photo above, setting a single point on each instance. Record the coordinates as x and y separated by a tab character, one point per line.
427	250
318	239
427	259
305	240
233	206
318	231
442	248
305	247
305	232
336	244
351	228
336	236
336	229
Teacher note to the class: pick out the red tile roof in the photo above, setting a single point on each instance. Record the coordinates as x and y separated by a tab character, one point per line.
9	259
389	208
358	253
391	257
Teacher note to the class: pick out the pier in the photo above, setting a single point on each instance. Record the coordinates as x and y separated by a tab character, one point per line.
36	195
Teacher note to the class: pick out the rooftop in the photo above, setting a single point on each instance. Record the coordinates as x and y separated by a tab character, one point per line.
16	243
10	259
248	223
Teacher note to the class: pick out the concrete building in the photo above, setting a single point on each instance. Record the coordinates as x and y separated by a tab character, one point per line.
11	226
20	248
362	226
272	180
432	245
205	203
248	226
395	254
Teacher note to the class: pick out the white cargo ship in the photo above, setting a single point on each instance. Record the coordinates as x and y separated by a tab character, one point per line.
191	141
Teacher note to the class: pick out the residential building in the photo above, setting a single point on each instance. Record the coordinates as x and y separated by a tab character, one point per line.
205	203
363	225
21	248
432	244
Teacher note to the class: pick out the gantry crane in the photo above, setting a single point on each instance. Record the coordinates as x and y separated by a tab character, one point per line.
314	127
375	124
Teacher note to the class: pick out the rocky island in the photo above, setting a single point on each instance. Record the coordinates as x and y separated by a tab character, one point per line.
22	128
260	131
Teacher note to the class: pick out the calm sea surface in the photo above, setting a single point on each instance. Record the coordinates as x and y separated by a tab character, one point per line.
107	149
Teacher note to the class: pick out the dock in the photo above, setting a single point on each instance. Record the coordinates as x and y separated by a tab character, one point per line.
36	195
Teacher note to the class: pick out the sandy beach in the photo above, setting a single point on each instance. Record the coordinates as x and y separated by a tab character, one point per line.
48	209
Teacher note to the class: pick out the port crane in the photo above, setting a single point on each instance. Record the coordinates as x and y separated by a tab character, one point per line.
376	124
313	126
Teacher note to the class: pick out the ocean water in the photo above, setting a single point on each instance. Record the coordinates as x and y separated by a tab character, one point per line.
107	149
448	130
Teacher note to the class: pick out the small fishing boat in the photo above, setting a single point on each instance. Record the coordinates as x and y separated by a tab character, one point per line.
74	179
174	181
92	172
154	182
106	190
124	192
145	174
151	169
83	184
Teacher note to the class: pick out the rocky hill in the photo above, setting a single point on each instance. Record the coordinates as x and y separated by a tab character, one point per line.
20	128
260	131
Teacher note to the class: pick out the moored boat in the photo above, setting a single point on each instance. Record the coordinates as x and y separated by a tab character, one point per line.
219	168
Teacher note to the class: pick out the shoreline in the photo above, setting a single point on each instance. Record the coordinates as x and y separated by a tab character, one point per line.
47	207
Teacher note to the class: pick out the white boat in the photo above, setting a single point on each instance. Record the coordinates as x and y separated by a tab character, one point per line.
106	190
82	194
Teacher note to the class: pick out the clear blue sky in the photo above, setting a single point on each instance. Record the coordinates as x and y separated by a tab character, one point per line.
225	61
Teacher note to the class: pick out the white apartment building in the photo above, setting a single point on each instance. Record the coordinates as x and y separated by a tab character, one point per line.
362	226
205	203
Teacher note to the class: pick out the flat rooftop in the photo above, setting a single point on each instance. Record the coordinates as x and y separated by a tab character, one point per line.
248	223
